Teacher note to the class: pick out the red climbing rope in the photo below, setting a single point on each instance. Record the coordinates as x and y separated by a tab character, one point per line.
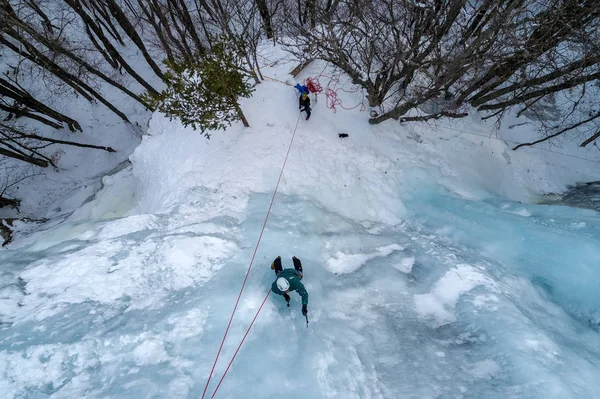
314	86
248	271
240	345
333	100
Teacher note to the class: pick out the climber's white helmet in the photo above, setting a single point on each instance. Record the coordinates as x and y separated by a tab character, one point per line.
283	284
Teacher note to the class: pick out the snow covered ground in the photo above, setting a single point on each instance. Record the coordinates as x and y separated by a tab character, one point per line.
430	272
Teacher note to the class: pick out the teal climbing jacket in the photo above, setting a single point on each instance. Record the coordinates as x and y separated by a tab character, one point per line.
293	277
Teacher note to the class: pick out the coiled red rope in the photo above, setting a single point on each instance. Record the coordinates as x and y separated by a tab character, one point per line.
314	85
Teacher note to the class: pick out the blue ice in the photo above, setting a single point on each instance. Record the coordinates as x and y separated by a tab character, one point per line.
463	299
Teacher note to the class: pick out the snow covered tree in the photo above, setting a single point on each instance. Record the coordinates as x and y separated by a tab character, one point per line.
204	94
427	59
26	145
49	45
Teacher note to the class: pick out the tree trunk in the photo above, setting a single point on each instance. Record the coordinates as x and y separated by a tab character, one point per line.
77	6
238	110
263	10
111	61
23	97
553	26
72	81
542	92
579	65
37	57
301	20
19	134
133	35
190	27
45	20
13	203
393	114
67	78
70	143
157	29
61	50
105	21
22	113
35	161
312	12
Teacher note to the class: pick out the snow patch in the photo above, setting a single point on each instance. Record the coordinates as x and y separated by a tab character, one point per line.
405	265
440	302
150	351
347	263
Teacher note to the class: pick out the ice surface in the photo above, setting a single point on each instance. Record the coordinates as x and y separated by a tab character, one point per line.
138	310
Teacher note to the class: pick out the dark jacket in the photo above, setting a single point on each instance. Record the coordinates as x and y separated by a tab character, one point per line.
304	103
293	277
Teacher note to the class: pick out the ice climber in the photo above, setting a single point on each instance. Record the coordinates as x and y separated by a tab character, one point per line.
304	104
304	100
289	280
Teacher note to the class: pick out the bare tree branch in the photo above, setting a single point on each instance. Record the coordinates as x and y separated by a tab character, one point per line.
586	142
